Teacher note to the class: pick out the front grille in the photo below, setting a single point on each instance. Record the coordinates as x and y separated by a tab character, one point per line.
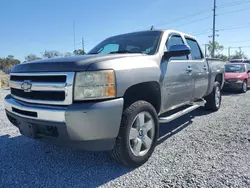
40	95
43	88
231	80
49	78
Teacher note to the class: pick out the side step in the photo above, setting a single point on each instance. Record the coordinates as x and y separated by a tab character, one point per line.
172	117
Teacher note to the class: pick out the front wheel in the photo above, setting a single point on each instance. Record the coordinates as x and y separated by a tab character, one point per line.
213	100
138	134
244	87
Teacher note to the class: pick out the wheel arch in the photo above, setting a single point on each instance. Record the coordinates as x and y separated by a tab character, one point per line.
147	91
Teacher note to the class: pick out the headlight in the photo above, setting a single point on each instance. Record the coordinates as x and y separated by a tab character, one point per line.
94	85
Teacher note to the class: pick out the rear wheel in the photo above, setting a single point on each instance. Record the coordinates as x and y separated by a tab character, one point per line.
244	87
138	134
213	100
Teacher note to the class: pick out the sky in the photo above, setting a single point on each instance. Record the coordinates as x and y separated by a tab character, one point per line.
30	26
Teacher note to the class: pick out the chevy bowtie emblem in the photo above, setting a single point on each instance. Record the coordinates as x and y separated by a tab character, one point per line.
26	86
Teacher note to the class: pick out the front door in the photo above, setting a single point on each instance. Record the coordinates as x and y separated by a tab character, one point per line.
200	69
177	77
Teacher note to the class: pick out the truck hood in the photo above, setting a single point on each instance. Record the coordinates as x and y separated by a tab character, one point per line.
230	75
67	64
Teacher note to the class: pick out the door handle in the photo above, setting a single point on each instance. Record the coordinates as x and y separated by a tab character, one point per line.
189	69
205	67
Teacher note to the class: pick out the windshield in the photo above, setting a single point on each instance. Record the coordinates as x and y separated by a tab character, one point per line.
235	68
139	42
239	61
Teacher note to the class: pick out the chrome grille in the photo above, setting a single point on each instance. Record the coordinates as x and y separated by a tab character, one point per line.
53	88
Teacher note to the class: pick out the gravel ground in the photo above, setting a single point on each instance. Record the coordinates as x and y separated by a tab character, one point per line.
197	150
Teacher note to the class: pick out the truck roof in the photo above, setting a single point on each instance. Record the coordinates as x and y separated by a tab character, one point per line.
161	30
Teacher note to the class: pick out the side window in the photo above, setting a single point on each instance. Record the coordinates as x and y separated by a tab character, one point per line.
248	67
109	48
195	49
173	40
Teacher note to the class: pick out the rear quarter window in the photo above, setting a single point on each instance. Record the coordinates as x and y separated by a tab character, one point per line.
195	49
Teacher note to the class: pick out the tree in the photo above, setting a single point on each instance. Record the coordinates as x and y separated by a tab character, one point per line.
31	57
79	52
10	57
51	54
239	55
67	54
8	62
222	57
217	48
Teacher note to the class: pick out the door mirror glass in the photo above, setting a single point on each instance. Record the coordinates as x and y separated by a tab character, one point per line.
177	50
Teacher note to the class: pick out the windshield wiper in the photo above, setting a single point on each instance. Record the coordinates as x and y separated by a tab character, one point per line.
93	53
123	52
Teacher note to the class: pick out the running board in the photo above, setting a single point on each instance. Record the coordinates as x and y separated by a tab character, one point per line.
194	106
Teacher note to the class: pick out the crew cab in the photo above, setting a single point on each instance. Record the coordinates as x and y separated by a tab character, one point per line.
114	98
237	76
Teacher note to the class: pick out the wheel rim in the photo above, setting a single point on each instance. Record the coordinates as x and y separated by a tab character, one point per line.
244	86
141	134
217	97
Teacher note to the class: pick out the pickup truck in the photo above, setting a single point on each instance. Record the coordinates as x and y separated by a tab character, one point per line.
114	98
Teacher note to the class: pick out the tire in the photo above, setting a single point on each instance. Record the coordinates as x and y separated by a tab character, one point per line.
123	151
244	87
213	100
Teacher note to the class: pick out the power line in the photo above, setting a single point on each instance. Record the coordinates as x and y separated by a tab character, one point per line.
202	33
233	42
236	27
223	29
182	18
204	18
233	4
233	11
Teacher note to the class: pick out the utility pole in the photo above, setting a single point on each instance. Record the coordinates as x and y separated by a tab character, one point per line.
74	34
205	50
82	44
229	52
214	14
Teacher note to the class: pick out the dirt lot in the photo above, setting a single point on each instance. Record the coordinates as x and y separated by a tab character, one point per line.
197	150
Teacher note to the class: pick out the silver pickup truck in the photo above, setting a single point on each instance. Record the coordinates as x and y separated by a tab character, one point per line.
114	98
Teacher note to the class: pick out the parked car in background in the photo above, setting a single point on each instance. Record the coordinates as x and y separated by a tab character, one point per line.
237	76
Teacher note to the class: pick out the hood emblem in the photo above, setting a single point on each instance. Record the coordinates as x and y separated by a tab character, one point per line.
26	86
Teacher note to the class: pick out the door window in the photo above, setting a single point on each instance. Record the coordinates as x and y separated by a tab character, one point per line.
173	40
248	67
195	49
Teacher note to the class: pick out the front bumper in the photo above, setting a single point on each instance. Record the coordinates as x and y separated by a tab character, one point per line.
233	85
90	126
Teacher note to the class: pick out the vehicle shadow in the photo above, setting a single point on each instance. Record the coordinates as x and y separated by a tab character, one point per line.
169	129
229	92
34	164
30	163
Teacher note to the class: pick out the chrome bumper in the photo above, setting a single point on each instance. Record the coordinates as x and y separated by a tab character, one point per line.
43	112
83	121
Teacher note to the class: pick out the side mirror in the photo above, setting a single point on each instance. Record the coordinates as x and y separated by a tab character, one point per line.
177	50
248	71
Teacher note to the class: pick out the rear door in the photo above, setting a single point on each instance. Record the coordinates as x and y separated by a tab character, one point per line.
178	82
200	69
